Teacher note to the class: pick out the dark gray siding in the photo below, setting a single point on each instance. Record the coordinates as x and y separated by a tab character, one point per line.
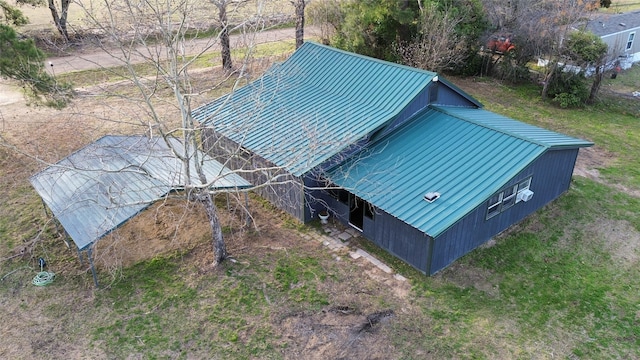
435	93
401	240
550	177
450	97
282	189
386	231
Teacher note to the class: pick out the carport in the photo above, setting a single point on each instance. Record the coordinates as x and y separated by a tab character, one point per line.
99	187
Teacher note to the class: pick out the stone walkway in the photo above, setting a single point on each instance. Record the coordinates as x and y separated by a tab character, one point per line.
338	241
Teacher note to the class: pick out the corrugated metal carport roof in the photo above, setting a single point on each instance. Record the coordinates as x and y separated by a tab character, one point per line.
99	187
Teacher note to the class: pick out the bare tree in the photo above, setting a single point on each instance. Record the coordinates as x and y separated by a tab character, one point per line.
327	15
154	32
438	46
160	95
59	12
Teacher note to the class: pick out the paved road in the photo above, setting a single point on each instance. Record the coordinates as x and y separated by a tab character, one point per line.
98	58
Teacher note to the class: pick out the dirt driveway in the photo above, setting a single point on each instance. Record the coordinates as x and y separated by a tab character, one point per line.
98	58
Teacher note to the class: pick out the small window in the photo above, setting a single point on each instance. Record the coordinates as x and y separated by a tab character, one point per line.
506	198
630	41
246	152
524	185
369	210
343	196
509	197
494	205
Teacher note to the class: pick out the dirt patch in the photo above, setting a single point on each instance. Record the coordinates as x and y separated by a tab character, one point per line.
619	238
466	276
401	289
9	94
339	332
591	159
167	226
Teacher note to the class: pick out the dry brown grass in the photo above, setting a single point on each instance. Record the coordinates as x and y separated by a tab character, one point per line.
204	13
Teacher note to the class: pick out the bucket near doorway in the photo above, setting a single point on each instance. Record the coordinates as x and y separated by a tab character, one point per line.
324	216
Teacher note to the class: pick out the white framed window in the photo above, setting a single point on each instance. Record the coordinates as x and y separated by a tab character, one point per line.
630	41
494	205
509	197
506	198
523	186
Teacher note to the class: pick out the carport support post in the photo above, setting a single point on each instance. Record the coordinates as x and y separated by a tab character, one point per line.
93	268
246	201
53	217
80	257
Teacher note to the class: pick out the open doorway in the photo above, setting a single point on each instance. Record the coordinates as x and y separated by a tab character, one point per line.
358	209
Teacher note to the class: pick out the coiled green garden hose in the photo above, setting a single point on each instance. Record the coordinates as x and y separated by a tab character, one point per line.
43	278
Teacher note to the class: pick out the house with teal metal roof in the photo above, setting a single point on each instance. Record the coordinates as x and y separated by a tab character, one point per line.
400	154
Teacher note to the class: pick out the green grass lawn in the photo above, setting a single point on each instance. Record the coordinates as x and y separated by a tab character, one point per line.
612	124
562	284
551	281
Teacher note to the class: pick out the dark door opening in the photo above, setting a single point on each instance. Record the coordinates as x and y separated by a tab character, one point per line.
356	211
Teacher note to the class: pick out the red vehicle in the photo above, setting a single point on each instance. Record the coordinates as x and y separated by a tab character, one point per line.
500	43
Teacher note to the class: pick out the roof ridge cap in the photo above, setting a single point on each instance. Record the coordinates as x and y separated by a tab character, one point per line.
370	58
503	131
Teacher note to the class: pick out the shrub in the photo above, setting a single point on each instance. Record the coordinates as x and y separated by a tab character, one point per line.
567	88
566	100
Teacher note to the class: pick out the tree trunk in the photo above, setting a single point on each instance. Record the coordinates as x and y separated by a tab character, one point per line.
547	80
219	247
60	20
404	33
225	44
595	87
545	87
299	8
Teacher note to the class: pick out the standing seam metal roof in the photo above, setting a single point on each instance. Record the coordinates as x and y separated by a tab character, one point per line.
515	128
316	103
462	157
101	186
